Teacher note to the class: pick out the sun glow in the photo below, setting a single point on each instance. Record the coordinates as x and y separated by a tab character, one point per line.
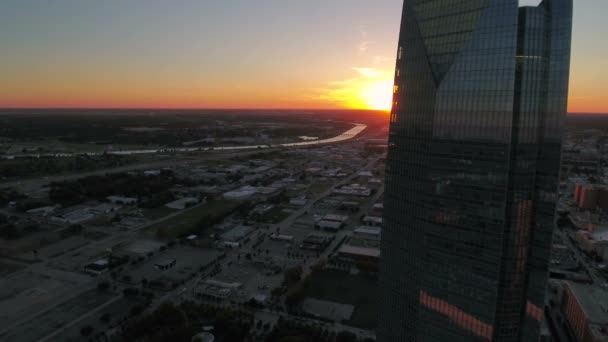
377	95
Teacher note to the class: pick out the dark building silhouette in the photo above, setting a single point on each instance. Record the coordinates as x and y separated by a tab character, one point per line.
473	169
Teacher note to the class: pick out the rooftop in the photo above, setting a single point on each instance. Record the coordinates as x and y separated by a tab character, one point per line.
237	233
370	252
368	230
593	300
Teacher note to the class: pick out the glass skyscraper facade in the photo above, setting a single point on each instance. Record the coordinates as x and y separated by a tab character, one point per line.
473	169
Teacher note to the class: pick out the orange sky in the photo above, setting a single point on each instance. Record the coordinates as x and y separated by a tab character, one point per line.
193	54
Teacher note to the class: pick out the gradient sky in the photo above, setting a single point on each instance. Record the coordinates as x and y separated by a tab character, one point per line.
230	53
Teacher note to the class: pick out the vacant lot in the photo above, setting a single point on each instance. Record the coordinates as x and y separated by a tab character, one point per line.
56	317
195	219
344	288
274	215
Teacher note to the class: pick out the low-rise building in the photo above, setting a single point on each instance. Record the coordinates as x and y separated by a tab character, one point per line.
239	194
594	240
359	254
216	290
372	220
281	237
368	232
355	190
152	173
586	310
332	226
236	235
182	203
315	242
97	267
122	200
165	264
298	201
350	206
76	216
590	196
43	211
335	218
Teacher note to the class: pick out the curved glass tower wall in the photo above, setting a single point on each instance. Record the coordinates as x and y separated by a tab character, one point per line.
473	168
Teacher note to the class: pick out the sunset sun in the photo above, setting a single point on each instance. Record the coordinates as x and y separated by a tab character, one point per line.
377	95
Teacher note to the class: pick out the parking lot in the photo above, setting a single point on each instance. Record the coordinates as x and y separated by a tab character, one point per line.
188	261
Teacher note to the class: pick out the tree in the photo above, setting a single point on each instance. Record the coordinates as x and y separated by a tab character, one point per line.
10	232
87	330
105	318
130	291
103	286
136	310
346	336
293	275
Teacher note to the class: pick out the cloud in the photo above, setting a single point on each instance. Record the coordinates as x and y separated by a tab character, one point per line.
364	45
382	59
368	72
362	31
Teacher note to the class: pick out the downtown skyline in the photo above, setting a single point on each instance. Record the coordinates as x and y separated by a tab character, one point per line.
233	54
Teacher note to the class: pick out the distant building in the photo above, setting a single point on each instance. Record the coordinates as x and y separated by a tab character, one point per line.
586	311
356	253
332	226
236	235
298	201
43	211
104	208
315	242
203	337
77	216
372	220
590	196
165	264
368	232
97	267
280	237
350	205
355	190
594	240
261	209
239	194
151	173
122	200
182	203
216	290
335	218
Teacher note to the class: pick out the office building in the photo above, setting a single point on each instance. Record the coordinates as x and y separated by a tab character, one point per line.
473	165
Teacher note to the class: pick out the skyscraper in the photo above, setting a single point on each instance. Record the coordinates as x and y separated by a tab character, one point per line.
472	169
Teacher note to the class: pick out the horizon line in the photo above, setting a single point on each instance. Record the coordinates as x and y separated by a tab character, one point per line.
189	108
237	108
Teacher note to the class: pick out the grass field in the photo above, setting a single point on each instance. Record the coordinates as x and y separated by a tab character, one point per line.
193	220
274	215
157	213
318	187
344	288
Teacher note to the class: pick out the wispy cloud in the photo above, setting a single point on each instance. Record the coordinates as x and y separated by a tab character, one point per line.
364	42
364	45
368	72
382	59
